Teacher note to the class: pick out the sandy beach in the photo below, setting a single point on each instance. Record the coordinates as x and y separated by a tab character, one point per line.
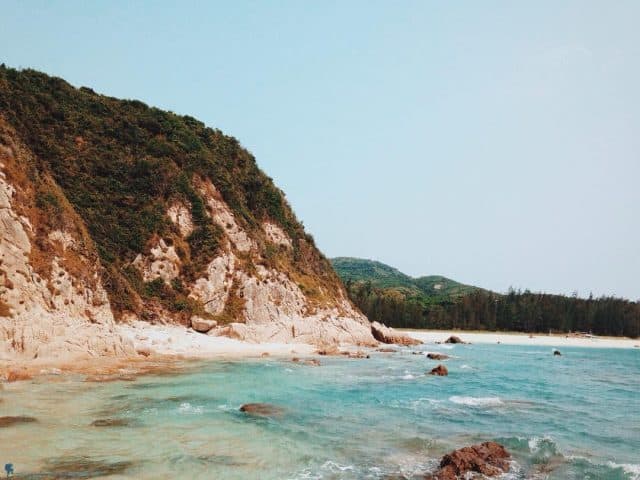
515	338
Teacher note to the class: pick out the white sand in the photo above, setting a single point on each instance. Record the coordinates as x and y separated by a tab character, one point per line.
178	340
559	341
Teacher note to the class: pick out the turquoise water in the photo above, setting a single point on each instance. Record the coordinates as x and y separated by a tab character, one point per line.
570	417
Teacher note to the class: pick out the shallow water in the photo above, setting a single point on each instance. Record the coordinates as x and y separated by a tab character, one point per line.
570	417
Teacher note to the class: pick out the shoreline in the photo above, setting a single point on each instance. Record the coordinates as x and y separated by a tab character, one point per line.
166	348
519	338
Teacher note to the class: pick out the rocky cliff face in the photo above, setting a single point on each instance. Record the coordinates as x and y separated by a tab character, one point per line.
112	211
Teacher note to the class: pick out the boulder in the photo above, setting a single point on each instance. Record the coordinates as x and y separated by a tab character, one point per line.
262	410
384	334
202	325
437	356
557	353
440	371
488	458
454	339
10	421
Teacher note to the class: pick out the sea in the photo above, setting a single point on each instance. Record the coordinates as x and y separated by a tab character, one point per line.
574	416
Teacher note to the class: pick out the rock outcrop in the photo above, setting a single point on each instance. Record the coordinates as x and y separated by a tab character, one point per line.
454	339
262	410
384	334
489	459
437	356
440	371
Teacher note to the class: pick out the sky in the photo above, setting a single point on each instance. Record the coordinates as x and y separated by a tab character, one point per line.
493	142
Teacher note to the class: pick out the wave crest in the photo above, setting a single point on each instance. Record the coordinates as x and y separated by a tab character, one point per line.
476	401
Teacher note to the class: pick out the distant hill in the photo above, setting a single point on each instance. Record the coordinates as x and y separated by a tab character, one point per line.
383	276
387	295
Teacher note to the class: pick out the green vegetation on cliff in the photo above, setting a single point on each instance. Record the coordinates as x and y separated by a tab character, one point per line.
389	296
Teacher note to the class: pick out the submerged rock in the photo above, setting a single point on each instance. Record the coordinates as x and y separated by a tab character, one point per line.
82	467
17	420
387	350
358	354
17	375
437	356
111	422
384	334
488	458
262	410
454	339
440	371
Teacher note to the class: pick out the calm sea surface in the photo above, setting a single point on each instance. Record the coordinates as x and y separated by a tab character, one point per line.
570	417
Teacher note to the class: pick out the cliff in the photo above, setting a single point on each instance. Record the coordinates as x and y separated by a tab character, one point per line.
113	211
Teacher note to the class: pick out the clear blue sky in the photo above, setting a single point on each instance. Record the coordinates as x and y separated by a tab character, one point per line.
494	142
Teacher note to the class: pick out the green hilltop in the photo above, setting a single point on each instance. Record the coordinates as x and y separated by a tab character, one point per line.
355	270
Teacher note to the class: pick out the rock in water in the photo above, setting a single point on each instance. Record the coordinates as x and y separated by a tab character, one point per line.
202	325
557	353
454	339
10	421
440	371
488	458
437	356
111	422
384	334
262	410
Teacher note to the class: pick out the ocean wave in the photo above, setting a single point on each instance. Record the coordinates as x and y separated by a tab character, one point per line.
476	401
189	409
631	469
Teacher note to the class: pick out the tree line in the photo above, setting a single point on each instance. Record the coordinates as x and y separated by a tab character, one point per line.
521	311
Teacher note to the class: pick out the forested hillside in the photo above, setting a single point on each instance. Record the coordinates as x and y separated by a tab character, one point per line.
386	295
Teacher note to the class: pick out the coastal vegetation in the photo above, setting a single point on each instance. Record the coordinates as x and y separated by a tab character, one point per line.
388	296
